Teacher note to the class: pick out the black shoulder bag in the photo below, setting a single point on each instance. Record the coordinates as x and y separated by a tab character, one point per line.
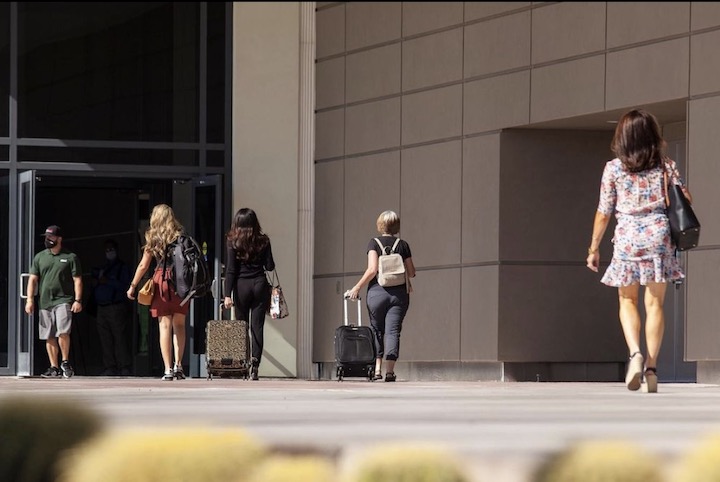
684	224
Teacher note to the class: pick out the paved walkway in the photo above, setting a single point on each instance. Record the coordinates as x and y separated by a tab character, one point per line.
502	430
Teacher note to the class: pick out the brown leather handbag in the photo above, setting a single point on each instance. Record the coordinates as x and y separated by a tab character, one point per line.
145	295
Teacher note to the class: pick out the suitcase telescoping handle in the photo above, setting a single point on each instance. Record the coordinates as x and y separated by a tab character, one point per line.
231	311
345	310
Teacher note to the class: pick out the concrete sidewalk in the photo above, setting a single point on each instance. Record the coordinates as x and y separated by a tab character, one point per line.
502	430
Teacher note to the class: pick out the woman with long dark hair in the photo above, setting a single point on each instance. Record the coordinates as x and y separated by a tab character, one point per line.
249	255
632	186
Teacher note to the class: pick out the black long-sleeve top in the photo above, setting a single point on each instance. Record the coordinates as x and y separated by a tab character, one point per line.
234	268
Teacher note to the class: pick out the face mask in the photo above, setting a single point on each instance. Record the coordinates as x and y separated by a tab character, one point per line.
111	255
49	243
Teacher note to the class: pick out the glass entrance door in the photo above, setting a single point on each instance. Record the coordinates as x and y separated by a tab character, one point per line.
7	349
207	228
26	251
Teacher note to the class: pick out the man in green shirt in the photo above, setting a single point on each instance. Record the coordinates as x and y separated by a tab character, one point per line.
58	274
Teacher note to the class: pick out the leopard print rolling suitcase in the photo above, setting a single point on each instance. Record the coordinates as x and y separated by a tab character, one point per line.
227	349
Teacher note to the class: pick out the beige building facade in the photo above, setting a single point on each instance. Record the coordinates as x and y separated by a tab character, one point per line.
486	126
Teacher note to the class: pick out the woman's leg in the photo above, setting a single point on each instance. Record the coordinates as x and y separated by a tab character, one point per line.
376	307
630	316
630	321
258	308
166	344
393	327
655	321
178	327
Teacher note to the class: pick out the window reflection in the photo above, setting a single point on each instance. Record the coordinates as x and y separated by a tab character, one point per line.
108	71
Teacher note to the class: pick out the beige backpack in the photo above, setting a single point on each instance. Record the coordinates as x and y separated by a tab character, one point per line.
391	267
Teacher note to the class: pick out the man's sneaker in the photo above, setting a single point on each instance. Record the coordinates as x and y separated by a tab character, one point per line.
52	372
67	369
168	376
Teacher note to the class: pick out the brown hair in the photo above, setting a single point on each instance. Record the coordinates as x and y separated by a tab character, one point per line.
637	141
388	222
246	236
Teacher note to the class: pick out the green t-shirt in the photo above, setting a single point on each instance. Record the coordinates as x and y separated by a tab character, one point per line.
56	273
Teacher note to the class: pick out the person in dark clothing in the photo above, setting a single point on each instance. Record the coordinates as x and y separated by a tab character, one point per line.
113	315
249	255
387	305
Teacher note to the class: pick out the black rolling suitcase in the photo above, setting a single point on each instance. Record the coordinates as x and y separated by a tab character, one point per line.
354	347
227	348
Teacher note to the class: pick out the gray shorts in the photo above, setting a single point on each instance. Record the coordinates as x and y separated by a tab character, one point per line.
55	321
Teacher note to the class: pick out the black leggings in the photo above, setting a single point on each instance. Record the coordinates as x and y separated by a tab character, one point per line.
252	297
387	308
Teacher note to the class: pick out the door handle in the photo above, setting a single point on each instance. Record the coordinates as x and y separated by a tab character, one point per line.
23	292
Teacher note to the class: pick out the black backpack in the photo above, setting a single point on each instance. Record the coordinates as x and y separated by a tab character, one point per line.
190	276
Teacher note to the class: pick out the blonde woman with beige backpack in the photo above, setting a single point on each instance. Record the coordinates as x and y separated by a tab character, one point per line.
388	292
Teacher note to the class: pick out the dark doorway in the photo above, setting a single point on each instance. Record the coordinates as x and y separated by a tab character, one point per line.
91	210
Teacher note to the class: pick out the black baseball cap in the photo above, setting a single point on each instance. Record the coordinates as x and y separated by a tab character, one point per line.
52	231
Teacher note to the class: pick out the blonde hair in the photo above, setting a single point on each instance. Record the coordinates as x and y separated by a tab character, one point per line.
164	229
388	222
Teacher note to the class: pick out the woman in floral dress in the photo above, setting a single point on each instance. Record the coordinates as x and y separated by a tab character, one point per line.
632	186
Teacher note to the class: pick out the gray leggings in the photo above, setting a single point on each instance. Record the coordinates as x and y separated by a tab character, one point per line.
387	308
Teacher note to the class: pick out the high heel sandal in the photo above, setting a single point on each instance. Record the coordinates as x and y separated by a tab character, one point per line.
635	371
651	383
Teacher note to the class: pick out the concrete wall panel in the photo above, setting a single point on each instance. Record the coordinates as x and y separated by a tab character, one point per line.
479	314
330	28
373	126
431	330
430	203
477	10
633	22
432	60
432	115
328	217
652	73
373	73
329	133
703	175
583	30
419	17
371	23
330	81
497	45
372	185
705	63
568	89
486	106
481	199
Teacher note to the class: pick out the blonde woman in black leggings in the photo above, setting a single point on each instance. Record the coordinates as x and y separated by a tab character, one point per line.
387	305
249	255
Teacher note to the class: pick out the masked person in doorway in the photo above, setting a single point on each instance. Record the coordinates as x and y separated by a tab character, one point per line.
57	275
113	314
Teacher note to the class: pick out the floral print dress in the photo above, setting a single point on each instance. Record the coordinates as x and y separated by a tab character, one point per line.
643	250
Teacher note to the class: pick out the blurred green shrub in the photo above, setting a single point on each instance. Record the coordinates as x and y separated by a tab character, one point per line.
702	463
177	455
294	468
34	433
406	462
601	461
